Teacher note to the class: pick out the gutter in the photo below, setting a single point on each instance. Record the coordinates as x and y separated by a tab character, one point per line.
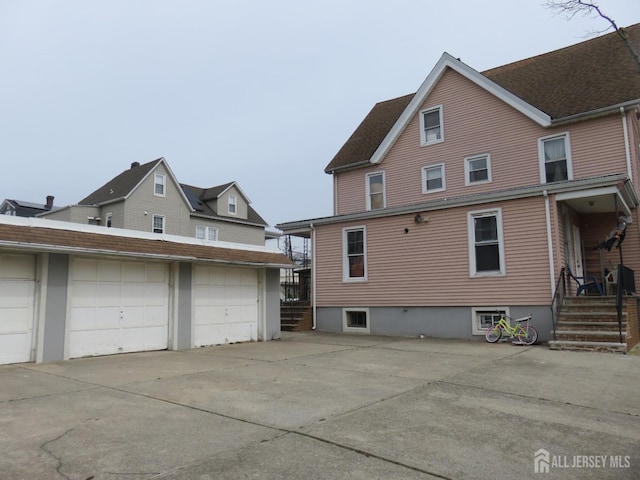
461	201
599	112
547	213
627	151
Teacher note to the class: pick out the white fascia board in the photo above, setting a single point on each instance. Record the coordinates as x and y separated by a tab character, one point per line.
447	61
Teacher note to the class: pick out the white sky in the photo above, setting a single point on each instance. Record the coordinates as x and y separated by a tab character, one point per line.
257	91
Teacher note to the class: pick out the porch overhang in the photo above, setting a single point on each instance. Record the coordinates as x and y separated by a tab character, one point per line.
619	197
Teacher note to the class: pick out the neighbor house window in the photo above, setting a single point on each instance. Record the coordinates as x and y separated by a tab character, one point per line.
355	254
484	317
375	191
108	221
433	178
159	188
206	233
431	125
233	204
158	224
355	320
486	249
555	159
477	169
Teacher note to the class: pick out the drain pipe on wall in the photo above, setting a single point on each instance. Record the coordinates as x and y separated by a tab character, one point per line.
627	150
313	279
552	268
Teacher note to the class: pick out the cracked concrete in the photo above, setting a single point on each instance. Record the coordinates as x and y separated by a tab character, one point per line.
317	406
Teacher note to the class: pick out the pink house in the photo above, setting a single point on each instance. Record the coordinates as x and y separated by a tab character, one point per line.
476	194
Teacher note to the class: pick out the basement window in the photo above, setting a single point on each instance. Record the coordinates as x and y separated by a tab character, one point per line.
355	320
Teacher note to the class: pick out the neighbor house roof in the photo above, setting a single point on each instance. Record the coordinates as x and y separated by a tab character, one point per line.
550	88
27	209
198	198
42	235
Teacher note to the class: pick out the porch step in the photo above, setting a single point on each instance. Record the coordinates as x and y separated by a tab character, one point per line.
609	347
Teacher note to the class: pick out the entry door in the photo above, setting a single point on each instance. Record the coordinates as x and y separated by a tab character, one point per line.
578	262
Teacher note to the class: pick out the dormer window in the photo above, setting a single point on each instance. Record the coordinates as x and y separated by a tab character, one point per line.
233	205
159	184
431	126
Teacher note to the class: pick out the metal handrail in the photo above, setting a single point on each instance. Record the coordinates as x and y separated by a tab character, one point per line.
619	298
558	299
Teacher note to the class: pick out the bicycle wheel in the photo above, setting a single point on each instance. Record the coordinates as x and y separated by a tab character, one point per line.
527	335
493	334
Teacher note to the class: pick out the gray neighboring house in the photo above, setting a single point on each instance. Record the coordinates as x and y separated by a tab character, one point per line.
20	208
148	197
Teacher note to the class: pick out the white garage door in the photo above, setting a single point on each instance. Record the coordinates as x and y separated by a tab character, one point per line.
225	305
118	307
17	296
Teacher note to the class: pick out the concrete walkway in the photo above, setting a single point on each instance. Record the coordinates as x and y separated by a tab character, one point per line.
325	406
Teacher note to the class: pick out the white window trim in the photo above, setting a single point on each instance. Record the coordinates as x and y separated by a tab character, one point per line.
423	137
207	229
232	200
472	242
109	219
424	178
384	188
567	148
346	328
164	223
345	257
467	169
475	320
163	182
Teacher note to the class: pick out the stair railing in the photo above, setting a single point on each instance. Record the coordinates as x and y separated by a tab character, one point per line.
558	299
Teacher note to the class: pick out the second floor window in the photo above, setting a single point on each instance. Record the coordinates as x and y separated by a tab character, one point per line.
477	169
431	125
433	178
109	219
555	159
233	204
159	184
375	191
206	233
158	224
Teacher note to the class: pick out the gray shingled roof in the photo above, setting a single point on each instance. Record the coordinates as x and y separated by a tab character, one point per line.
199	196
581	78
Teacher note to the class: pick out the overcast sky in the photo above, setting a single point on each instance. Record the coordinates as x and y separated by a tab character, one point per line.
261	92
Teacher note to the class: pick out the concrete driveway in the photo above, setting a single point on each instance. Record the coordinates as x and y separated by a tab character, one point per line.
325	406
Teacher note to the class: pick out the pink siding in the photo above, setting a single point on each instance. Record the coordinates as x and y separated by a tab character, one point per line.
476	122
429	266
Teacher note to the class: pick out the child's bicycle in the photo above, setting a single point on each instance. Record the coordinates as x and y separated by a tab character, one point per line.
525	333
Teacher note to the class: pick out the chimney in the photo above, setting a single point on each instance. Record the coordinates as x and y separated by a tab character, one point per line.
49	203
135	164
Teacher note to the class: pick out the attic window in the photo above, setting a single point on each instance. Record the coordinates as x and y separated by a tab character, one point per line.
233	205
431	125
160	180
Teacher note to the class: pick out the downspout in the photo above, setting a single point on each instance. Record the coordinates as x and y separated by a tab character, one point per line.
552	268
627	150
313	275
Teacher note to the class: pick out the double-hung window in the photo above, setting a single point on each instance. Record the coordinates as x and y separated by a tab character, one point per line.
433	178
354	254
375	191
206	233
431	126
159	184
477	169
486	246
555	158
158	224
233	204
